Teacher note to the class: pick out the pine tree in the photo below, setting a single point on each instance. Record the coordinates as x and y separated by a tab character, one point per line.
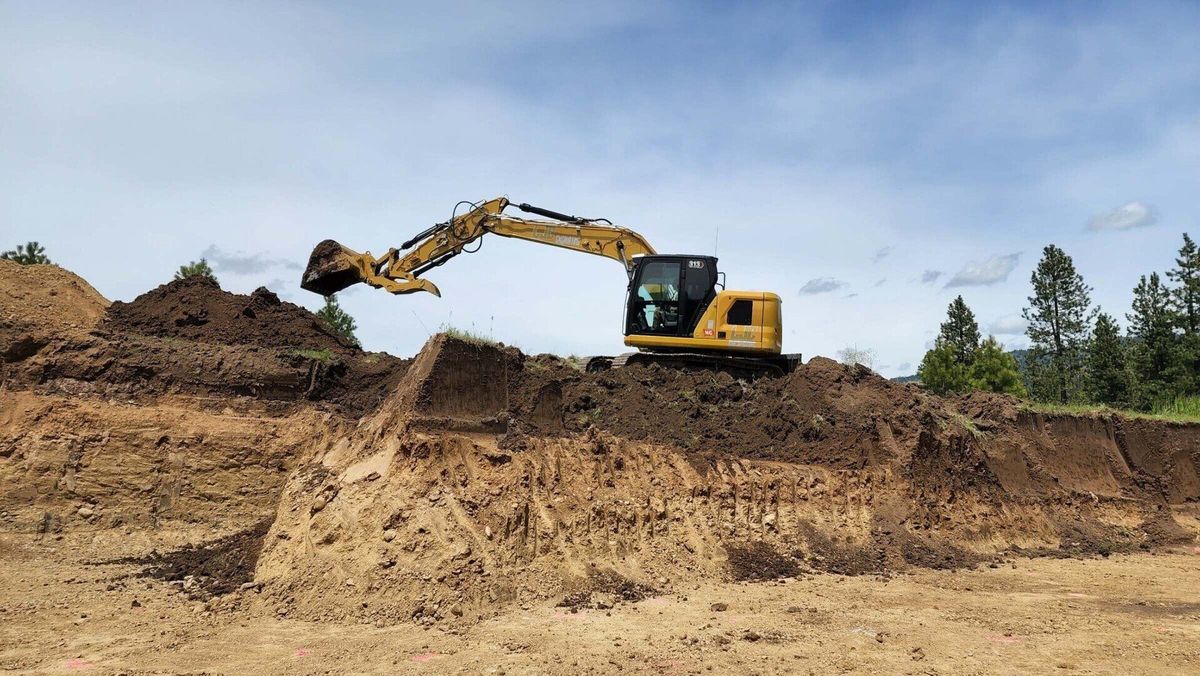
960	331
198	268
338	320
1152	326
1187	296
1107	368
1060	319
995	370
30	253
941	372
1186	299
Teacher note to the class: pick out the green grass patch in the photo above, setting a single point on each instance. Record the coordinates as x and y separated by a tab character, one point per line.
968	424
467	335
323	356
1181	408
1184	409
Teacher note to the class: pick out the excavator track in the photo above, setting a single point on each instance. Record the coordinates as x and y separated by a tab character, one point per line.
736	366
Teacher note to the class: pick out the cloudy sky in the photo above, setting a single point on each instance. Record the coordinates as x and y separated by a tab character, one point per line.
867	162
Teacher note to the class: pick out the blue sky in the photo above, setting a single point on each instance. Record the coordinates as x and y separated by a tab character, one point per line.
867	162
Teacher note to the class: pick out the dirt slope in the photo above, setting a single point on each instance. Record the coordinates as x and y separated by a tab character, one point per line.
40	301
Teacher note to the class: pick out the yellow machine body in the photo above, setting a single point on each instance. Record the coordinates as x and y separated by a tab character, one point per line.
715	333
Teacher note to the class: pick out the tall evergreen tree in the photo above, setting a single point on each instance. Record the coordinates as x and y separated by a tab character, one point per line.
1187	311
1152	326
960	332
1187	296
1060	318
1107	369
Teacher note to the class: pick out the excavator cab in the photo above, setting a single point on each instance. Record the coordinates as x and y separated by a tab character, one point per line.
668	294
675	305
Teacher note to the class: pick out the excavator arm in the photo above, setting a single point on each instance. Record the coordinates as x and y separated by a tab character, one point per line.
333	267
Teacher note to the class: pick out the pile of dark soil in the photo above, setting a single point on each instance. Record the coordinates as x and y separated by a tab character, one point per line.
196	308
824	413
191	337
758	561
211	569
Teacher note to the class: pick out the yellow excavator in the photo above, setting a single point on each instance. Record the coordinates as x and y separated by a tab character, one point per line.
677	311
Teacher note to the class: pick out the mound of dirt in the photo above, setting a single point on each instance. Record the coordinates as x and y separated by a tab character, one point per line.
210	569
824	412
196	308
186	337
38	302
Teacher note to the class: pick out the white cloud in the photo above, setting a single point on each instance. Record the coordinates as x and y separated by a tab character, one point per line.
930	276
881	254
1125	217
985	273
1011	325
822	285
244	264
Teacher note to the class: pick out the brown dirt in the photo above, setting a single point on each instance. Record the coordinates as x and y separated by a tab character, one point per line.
758	561
38	302
190	337
450	490
211	569
196	308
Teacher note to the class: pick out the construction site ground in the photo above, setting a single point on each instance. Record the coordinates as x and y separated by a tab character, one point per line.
197	481
1125	614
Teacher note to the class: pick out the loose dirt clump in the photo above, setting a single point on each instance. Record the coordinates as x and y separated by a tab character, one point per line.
196	308
603	590
211	569
759	561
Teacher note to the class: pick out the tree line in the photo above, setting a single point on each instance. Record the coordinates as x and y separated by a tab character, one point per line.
1078	353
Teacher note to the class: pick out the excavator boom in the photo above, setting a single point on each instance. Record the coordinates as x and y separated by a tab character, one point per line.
333	267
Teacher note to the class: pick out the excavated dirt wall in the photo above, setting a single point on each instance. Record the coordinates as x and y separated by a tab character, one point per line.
408	517
443	488
82	463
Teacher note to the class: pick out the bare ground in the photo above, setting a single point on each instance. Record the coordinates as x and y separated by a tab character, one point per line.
1139	613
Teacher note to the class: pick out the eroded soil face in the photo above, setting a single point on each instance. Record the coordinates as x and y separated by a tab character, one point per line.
225	461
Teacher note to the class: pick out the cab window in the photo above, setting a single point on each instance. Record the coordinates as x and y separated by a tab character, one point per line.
658	291
741	313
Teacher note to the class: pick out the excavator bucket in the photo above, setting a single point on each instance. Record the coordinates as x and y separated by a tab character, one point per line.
332	267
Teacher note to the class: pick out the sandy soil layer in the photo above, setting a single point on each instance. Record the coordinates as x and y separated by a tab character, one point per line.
60	611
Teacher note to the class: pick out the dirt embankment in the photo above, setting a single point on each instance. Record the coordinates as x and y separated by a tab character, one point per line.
39	302
474	476
191	337
490	477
